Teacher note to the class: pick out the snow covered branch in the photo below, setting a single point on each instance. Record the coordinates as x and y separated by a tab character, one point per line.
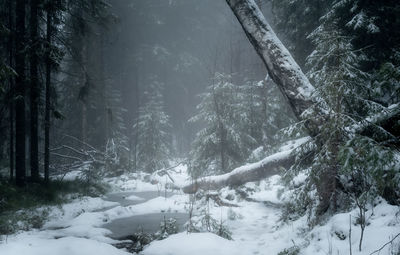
384	124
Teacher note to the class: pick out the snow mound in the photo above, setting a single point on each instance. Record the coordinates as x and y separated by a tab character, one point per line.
61	246
193	244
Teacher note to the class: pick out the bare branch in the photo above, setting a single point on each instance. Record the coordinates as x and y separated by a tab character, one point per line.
391	241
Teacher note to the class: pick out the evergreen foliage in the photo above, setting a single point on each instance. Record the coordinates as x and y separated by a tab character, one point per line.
153	144
348	168
225	141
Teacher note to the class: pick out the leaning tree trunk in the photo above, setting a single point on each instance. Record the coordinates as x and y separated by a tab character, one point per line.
281	66
291	81
295	86
20	175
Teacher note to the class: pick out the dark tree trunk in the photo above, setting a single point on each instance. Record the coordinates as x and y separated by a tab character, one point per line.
47	104
103	89
11	85
34	91
20	83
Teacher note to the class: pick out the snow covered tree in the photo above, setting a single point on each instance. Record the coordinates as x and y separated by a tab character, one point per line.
335	73
152	125
117	149
225	141
267	113
335	70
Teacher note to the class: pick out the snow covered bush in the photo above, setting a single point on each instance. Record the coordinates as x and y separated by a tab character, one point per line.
200	218
167	227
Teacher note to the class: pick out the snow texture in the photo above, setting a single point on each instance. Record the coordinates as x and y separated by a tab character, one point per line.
284	152
76	227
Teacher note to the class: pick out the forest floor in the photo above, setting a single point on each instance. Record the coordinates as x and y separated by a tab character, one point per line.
79	227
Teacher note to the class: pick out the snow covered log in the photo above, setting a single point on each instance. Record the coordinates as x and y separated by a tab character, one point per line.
253	172
280	64
269	166
296	87
382	127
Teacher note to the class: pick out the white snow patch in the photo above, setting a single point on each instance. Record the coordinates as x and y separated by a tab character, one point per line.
134	198
193	244
33	245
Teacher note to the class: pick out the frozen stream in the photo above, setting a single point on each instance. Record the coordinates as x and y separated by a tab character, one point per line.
149	223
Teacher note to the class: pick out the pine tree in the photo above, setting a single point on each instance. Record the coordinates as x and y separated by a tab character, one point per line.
225	141
117	144
336	71
337	77
152	125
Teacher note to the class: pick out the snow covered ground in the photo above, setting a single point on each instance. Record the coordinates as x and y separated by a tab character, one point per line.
257	229
76	227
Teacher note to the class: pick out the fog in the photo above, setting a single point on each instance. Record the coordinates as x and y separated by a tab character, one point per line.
180	44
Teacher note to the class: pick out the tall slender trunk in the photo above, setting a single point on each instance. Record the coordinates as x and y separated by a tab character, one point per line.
20	175
221	133
11	86
106	110
137	91
84	61
48	98
34	91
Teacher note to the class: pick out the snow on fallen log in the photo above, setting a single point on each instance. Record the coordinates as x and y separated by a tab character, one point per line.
251	172
380	123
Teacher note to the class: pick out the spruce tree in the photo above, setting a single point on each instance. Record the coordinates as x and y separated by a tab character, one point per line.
153	128
225	141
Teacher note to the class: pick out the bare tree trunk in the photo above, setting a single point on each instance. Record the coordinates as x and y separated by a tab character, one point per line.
48	98
11	86
106	110
20	175
253	172
34	91
84	62
295	87
137	113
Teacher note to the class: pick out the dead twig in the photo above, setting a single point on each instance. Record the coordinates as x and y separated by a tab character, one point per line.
391	241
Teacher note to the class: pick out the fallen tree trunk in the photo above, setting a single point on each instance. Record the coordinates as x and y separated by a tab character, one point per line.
297	89
283	160
252	172
383	127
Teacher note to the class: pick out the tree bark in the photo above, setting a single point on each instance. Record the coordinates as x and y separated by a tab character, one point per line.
48	98
253	172
34	91
11	86
296	88
20	83
280	65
